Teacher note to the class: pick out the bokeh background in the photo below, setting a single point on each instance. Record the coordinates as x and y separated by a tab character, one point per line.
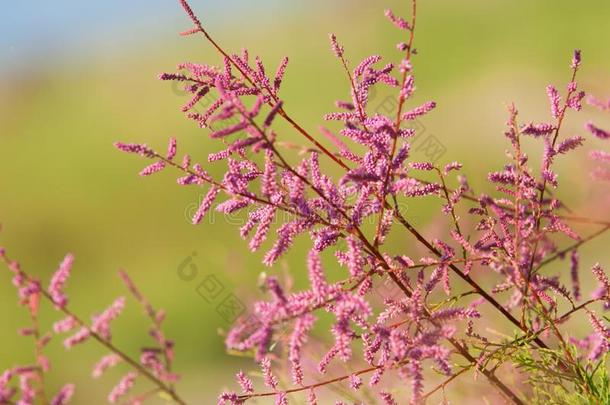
77	76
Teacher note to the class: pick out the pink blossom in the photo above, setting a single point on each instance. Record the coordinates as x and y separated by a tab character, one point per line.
298	339
554	100
355	382
419	111
397	21
101	322
64	395
538	129
388	399
58	281
77	338
574	261
245	383
139	149
337	49
205	205
105	363
576	59
65	325
122	388
269	379
153	168
596	131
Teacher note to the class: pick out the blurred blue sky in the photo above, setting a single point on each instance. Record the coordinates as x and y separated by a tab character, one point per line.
38	33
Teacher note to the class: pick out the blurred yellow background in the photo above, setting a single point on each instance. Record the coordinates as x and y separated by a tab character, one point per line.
76	79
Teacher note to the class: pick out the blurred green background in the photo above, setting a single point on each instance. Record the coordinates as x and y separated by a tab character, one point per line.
76	78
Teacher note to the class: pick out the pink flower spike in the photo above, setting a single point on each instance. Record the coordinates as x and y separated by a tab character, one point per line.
598	326
105	363
153	168
388	399
570	144
600	155
601	173
64	325
538	129
281	399
64	395
355	382
554	99
140	149
574	261
58	281
298	338
452	166
101	323
79	337
337	49
171	148
419	111
598	132
603	290
354	257
600	104
186	162
231	397
576	58
316	274
311	397
408	88
122	388
271	116
279	75
426	166
269	378
366	64
575	102
205	205
245	383
399	22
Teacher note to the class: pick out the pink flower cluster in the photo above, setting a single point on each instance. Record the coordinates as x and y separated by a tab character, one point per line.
510	235
601	172
28	381
492	255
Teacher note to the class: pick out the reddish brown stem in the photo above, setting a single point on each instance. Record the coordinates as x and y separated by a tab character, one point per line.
468	279
401	102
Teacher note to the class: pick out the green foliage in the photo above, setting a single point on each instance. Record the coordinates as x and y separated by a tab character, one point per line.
555	382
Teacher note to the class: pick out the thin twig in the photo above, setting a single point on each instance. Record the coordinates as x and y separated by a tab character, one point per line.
106	343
